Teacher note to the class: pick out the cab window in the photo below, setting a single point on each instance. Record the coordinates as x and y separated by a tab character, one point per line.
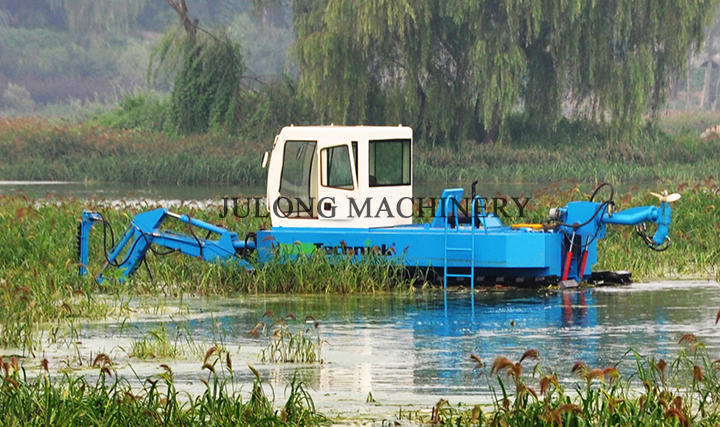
336	169
389	162
297	172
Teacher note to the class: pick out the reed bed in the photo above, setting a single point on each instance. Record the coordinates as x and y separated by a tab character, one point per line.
39	282
156	344
67	400
283	273
636	391
34	149
678	158
673	149
39	285
695	231
290	341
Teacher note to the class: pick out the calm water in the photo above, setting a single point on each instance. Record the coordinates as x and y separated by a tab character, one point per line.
126	191
414	349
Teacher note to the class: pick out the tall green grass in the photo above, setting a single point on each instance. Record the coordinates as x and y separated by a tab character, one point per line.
38	272
32	149
676	122
39	285
39	282
291	341
156	344
572	152
67	400
695	231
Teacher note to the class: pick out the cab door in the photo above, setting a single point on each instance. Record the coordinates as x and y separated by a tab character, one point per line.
338	180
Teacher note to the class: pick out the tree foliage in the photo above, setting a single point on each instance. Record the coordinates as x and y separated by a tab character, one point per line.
456	68
206	85
206	88
710	49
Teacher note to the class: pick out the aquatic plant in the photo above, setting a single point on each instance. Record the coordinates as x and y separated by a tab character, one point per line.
637	390
38	263
34	149
290	342
694	249
39	280
65	399
156	344
296	271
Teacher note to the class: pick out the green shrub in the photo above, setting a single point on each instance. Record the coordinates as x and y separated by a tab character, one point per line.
141	111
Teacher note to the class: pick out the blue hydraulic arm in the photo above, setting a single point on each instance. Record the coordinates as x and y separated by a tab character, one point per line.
88	220
637	216
144	231
584	223
589	219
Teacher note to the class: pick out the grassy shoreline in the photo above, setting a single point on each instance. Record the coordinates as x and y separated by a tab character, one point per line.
71	400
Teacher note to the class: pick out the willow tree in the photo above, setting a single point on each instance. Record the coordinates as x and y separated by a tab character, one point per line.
207	70
456	68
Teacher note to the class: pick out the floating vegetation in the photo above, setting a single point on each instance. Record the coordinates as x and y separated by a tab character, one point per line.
156	344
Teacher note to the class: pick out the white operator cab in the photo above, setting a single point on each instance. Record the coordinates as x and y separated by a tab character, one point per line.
341	176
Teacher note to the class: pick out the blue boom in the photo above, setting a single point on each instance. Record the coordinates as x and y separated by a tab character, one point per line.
144	231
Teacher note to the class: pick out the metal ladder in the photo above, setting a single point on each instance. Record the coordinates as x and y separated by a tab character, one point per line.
452	207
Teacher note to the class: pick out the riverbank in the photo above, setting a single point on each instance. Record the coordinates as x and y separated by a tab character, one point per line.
34	149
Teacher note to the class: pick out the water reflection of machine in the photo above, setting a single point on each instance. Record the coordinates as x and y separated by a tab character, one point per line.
575	308
421	342
558	324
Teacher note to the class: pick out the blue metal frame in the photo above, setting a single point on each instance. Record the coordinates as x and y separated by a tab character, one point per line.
450	205
144	230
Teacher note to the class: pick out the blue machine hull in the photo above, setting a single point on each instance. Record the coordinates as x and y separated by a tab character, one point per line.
499	252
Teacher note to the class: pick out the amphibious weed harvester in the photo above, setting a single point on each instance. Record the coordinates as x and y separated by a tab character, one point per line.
337	189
